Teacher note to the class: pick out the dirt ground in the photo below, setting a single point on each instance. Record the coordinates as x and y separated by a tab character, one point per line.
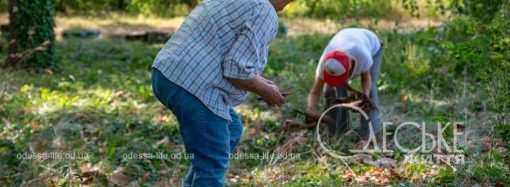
121	24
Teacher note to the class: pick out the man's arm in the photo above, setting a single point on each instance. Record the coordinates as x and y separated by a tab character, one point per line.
366	83
262	87
314	95
242	63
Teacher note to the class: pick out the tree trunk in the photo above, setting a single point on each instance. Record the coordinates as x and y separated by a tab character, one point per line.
121	5
61	7
11	51
31	36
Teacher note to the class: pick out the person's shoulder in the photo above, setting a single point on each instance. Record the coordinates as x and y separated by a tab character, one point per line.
260	7
255	5
264	2
368	33
265	10
265	7
356	50
371	34
366	30
241	11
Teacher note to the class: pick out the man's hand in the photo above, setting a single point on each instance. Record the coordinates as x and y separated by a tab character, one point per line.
267	81
312	116
262	87
272	95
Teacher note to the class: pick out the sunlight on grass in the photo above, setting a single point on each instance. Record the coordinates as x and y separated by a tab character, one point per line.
254	114
302	26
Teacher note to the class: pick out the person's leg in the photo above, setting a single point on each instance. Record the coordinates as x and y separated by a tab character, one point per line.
374	116
205	135
340	115
164	93
343	114
235	129
188	179
330	97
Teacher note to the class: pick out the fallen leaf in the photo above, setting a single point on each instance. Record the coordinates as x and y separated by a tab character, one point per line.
165	140
145	176
499	184
252	132
88	173
386	163
119	179
295	139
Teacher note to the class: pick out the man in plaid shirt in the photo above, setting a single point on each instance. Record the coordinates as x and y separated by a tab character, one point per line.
206	68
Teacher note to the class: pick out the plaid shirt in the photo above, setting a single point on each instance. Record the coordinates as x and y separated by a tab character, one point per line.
220	39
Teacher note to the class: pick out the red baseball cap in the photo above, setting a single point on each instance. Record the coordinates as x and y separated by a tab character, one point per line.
336	68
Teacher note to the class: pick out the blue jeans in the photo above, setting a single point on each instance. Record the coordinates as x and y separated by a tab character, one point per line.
207	137
342	115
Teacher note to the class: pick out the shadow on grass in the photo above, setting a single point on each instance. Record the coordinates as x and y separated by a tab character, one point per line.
64	141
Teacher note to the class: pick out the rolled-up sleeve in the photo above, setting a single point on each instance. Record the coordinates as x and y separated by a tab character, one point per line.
248	54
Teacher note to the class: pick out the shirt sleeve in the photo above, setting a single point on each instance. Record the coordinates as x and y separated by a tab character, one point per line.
249	51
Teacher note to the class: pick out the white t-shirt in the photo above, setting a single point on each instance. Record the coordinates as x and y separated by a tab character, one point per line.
359	44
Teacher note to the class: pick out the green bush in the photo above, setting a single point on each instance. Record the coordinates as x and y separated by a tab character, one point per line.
161	7
336	9
145	7
483	10
85	5
3	6
474	51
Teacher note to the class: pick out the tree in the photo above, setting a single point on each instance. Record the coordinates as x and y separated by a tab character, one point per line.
31	36
121	5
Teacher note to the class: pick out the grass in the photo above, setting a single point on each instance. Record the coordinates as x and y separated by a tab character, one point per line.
99	104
